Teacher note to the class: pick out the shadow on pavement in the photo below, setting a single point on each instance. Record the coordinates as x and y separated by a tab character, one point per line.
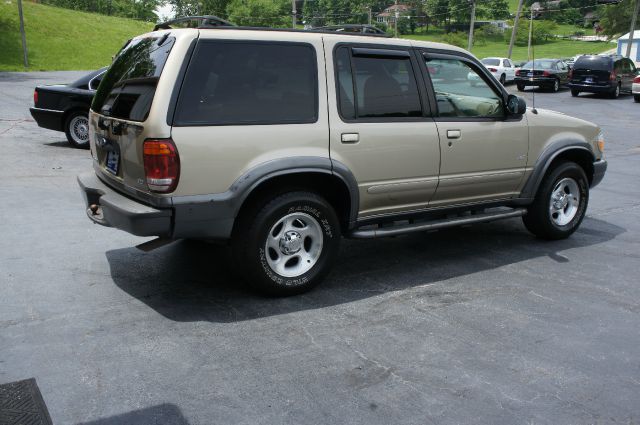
165	414
192	281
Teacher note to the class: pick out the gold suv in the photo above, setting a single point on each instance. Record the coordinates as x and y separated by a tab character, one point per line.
282	142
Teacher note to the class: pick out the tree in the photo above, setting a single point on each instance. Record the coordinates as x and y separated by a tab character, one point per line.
260	13
496	9
616	19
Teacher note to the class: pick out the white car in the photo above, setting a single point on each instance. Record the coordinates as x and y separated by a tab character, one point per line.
502	68
635	89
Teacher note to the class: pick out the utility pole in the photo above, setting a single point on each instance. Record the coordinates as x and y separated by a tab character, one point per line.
24	37
633	29
471	24
515	28
395	23
294	12
369	15
530	34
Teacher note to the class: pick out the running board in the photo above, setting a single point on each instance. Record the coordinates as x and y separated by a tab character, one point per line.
405	228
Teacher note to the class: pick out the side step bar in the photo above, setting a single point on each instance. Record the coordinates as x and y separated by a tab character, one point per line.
405	228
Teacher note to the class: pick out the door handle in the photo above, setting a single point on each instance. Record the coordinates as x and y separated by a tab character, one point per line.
350	137
453	134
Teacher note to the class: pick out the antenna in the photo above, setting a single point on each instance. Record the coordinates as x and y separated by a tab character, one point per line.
532	58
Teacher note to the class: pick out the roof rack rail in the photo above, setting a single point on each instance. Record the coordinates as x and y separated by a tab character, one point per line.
361	29
203	21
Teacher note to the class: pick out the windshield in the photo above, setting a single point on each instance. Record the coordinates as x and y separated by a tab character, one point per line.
128	87
491	61
594	63
539	64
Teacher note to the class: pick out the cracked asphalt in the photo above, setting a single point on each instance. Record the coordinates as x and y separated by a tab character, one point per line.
481	324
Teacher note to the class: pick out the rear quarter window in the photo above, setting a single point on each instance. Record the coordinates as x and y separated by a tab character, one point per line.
249	83
128	87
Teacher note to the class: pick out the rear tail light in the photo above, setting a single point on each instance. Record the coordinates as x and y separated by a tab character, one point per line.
35	98
493	69
613	76
546	73
161	164
636	80
517	73
570	73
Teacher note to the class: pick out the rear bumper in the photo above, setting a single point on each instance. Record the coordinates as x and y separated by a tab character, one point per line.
48	118
635	88
599	168
591	88
116	210
535	81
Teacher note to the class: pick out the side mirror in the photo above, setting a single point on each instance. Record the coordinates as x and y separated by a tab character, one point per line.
516	105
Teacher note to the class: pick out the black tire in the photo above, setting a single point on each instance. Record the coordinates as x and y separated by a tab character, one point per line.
555	87
503	79
256	260
636	98
520	87
575	93
539	219
76	128
615	93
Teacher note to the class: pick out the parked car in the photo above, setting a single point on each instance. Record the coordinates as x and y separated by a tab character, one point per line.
281	142
65	107
602	74
635	89
543	73
502	68
572	60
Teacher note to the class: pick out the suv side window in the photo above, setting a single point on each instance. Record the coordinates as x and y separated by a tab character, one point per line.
460	90
376	83
245	83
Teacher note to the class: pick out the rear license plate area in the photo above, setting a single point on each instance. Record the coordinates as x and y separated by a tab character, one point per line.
112	163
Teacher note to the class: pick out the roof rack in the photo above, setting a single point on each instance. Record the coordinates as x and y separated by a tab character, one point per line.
203	21
359	29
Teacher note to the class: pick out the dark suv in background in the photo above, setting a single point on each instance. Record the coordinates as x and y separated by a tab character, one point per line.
602	74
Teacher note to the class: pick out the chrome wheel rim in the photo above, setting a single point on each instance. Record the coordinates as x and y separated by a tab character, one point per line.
564	202
556	86
618	90
294	244
79	129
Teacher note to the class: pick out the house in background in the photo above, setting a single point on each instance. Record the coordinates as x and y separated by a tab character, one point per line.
388	16
635	45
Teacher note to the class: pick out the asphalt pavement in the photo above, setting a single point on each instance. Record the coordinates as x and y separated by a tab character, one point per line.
481	325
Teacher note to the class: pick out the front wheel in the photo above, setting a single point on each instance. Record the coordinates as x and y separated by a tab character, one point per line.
636	98
556	86
76	128
560	204
520	87
289	246
575	93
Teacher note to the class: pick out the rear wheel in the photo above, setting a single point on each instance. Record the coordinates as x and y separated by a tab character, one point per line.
575	93
556	85
289	246
76	128
520	87
616	92
636	98
503	79
560	204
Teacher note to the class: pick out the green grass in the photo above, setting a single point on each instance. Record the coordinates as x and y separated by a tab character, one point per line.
551	49
62	39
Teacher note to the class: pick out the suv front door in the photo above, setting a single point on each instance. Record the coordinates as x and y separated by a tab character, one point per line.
483	152
380	127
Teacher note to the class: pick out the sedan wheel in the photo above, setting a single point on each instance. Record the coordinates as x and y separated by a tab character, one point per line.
556	86
77	129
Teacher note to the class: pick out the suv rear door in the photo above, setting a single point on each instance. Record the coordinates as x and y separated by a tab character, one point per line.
380	126
121	106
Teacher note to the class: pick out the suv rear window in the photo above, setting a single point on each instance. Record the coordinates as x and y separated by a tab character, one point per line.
595	63
249	83
128	87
